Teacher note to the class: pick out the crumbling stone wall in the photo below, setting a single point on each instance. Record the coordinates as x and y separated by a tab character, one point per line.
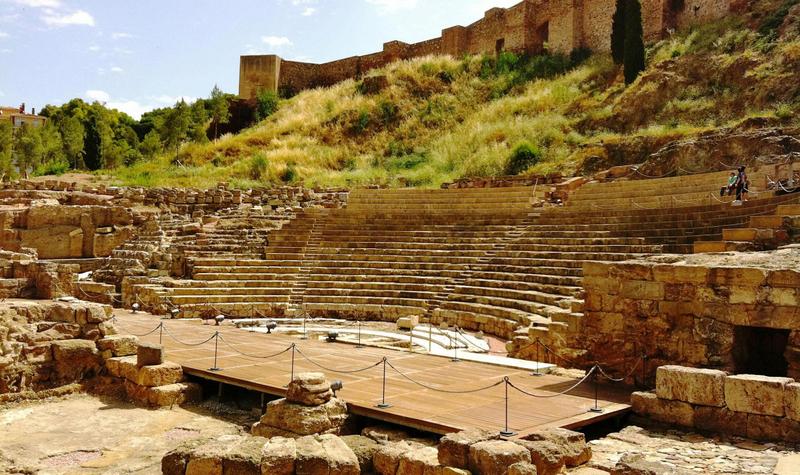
680	310
45	344
756	407
562	25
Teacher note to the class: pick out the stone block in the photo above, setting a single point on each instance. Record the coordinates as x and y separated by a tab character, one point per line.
642	290
421	461
761	427
571	445
792	401
705	387
149	354
244	457
386	459
325	454
680	274
720	420
174	394
546	456
670	412
364	448
522	468
454	448
75	359
407	322
159	375
174	462
495	456
304	420
119	345
756	394
278	456
310	389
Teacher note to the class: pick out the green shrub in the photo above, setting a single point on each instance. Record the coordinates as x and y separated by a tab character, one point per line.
388	111
362	123
259	167
266	104
52	168
524	156
289	174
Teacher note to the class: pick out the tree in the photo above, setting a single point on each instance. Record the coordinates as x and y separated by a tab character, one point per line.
52	145
634	41
6	149
28	150
151	145
267	104
618	33
92	145
72	136
199	122
220	110
175	126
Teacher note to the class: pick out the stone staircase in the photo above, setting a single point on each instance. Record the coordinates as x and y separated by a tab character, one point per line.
764	232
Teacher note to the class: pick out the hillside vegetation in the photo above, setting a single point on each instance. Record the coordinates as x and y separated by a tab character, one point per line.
437	119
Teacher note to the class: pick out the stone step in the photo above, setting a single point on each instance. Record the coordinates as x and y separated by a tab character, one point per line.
788	210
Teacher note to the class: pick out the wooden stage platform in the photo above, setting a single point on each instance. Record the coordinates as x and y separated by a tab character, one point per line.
412	405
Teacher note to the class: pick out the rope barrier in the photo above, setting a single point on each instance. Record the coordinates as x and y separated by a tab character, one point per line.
247	355
361	370
447	391
550	396
166	330
619	380
115	321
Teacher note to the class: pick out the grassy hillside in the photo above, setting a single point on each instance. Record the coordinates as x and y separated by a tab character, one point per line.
437	119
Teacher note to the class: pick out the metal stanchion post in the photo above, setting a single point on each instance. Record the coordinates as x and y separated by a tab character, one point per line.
411	340
216	347
305	334
454	343
359	345
596	408
291	377
383	404
161	333
538	362
430	335
644	370
506	432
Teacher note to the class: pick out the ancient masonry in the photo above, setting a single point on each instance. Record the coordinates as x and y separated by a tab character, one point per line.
530	26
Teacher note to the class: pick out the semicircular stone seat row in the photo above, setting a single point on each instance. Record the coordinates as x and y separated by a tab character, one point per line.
482	259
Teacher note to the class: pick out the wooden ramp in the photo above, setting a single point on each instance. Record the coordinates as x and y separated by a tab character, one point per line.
425	392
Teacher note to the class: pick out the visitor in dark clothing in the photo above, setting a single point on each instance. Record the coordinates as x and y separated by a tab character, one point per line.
741	185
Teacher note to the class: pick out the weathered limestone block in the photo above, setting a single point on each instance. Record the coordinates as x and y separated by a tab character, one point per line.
207	458
792	401
325	454
422	461
302	420
244	456
522	468
278	456
119	345
637	464
756	394
761	427
720	420
407	322
54	242
386	459
123	367
670	412
495	456
454	448
174	462
364	448
310	389
705	387
159	375
571	445
149	354
546	456
75	359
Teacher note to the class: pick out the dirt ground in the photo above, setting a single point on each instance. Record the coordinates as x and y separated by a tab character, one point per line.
83	434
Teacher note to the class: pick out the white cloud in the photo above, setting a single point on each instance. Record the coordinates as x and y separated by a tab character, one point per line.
94	48
121	35
276	41
165	99
39	3
3	34
391	6
309	11
132	108
79	17
5	50
97	95
117	69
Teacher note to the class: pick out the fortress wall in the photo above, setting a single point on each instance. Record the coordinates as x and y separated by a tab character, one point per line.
563	24
258	73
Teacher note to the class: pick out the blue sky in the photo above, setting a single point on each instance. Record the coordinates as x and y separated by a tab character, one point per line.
136	55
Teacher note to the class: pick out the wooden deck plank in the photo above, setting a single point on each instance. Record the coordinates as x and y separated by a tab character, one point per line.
417	396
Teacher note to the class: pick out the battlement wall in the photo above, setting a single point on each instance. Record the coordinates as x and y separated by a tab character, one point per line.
528	27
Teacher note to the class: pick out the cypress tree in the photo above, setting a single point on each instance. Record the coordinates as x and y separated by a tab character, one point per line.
618	33
634	41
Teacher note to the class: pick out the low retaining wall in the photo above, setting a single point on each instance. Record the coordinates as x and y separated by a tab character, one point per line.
752	406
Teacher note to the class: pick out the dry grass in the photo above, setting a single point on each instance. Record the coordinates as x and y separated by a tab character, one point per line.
441	119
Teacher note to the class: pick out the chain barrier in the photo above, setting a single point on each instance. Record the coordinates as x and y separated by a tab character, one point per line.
248	355
115	321
354	371
446	391
550	396
166	330
622	379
